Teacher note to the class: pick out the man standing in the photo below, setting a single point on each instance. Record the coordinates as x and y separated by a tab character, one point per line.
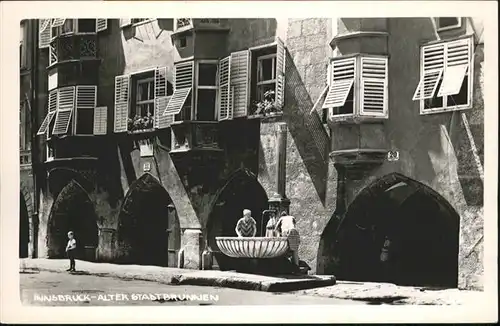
246	226
71	251
287	224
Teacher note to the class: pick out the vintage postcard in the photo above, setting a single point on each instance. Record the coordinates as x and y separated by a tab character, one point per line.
294	161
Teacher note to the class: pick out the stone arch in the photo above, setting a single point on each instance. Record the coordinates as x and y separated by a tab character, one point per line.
73	210
241	190
396	230
59	177
26	194
148	226
24	227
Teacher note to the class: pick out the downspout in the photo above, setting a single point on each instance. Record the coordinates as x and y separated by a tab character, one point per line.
34	124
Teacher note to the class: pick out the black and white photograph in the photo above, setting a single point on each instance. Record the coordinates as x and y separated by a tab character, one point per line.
330	161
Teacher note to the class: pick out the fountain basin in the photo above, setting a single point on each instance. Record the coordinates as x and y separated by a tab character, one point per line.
253	247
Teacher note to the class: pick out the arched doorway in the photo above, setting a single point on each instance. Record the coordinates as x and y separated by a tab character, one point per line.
400	231
241	191
73	211
148	229
24	228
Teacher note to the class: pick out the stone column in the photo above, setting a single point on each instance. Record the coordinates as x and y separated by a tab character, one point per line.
279	202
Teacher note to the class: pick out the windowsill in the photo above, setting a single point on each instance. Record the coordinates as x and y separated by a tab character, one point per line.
58	63
355	119
141	131
65	35
190	28
69	159
444	110
175	123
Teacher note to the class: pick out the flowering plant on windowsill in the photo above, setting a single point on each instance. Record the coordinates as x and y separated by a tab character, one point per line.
138	123
267	106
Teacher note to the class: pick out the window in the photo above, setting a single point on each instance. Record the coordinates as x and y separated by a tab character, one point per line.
266	75
182	41
22	45
140	100
180	103
86	101
357	91
445	76
62	26
446	23
24	126
182	22
206	92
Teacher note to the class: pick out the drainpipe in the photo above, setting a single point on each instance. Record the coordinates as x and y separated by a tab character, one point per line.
279	202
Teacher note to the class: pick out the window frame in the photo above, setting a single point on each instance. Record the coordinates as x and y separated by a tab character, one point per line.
469	75
75	30
77	109
214	87
141	22
259	84
137	81
447	28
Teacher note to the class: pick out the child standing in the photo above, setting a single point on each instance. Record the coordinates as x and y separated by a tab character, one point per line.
71	251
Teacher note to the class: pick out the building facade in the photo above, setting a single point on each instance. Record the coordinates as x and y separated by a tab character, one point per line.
154	134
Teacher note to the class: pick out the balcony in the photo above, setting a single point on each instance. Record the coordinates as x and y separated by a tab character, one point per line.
73	48
25	159
190	136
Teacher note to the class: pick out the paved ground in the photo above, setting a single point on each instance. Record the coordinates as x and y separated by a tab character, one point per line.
93	290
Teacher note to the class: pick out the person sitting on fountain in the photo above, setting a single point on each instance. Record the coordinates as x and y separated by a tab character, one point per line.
246	226
287	224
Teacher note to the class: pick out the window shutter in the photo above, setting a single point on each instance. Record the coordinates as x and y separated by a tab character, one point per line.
225	98
183	81
240	76
53	79
280	73
56	22
432	65
161	100
374	80
100	120
342	76
125	22
52	107
53	53
65	106
122	86
86	98
44	33
101	24
457	61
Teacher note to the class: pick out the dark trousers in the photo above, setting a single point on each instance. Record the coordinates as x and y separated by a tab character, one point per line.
71	256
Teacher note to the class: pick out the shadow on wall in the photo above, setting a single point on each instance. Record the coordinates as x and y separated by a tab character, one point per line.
307	130
249	32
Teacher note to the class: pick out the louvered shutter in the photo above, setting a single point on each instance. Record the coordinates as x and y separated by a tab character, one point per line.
457	61
161	99
65	107
183	81
44	33
280	73
342	75
122	90
125	22
52	53
86	99
56	22
240	77
52	107
374	83
101	24
100	120
53	79
432	61
225	98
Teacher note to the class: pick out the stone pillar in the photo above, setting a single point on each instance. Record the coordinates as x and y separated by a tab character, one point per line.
191	240
278	201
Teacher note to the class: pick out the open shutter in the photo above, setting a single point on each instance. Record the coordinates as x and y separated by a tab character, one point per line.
432	66
101	24
56	22
183	81
457	61
44	33
280	73
52	107
240	77
161	99
374	81
100	120
225	98
122	90
65	107
342	76
86	99
52	53
125	22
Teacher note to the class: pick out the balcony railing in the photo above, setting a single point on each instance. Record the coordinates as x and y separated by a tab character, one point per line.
74	47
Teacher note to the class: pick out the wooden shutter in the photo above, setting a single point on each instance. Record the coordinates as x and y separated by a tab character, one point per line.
122	90
86	99
101	24
125	22
52	53
161	99
44	33
280	73
432	66
374	85
53	79
457	60
52	107
100	120
56	22
343	72
225	98
240	77
183	81
65	107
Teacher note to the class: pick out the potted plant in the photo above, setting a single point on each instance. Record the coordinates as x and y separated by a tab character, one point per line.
138	123
267	107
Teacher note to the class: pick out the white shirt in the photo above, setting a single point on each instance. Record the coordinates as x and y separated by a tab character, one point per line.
71	244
